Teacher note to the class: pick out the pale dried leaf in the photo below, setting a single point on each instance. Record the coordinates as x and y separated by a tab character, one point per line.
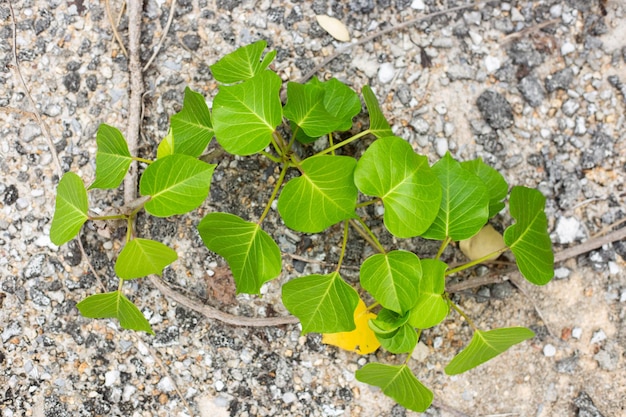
334	27
483	243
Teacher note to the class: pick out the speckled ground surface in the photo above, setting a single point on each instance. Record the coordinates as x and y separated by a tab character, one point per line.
445	84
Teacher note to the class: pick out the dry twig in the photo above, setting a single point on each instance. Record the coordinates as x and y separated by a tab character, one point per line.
170	18
136	93
44	127
213	313
118	38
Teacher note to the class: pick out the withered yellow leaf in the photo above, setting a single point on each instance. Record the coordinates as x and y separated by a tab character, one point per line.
361	340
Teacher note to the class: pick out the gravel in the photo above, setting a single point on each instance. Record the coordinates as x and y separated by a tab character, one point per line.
545	107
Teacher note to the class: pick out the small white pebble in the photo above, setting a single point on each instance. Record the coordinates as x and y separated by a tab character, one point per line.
441	108
556	10
561	272
577	332
598	337
567	229
492	64
549	350
438	342
516	16
289	397
166	384
111	377
567	48
441	146
219	385
386	72
418	5
614	268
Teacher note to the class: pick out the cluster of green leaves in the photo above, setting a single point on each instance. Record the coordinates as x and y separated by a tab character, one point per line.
448	201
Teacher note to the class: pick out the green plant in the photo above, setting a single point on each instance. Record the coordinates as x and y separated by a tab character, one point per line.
450	201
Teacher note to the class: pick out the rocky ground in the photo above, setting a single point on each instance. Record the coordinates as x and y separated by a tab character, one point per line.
536	88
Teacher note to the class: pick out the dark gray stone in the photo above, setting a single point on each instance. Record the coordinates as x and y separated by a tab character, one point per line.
601	147
34	267
228	4
559	80
567	365
531	90
39	297
495	109
10	195
192	41
72	82
362	6
586	407
524	53
276	14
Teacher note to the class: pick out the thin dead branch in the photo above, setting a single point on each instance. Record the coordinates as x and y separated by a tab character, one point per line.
44	127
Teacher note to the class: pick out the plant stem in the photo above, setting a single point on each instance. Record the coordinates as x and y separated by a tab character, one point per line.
276	138
279	182
129	228
367	203
373	306
270	157
476	262
365	232
139	159
112	217
458	310
119	285
331	142
344	142
443	246
344	243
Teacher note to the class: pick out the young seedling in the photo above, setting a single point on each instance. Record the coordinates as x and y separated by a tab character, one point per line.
450	201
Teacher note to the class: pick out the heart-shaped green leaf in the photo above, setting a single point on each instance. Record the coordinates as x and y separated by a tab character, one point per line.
340	101
378	124
317	108
497	187
71	208
242	64
528	238
323	195
323	303
112	159
245	115
410	191
401	340
176	184
305	107
253	256
387	322
192	128
464	208
393	279
399	383
141	257
431	308
486	345
114	305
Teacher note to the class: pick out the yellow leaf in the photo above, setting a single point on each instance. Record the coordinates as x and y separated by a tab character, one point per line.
361	340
